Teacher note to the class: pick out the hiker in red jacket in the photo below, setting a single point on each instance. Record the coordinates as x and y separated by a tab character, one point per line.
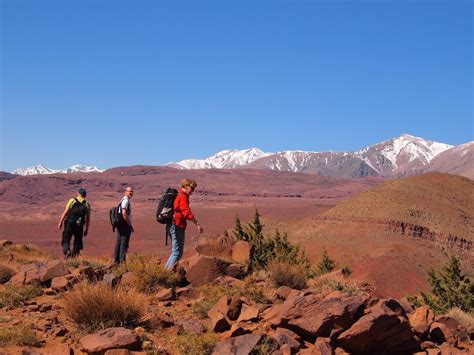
182	213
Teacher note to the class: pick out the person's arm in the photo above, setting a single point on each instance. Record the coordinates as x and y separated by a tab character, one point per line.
194	220
63	217
188	214
88	221
126	217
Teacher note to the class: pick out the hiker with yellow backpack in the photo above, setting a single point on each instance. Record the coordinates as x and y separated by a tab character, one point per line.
76	215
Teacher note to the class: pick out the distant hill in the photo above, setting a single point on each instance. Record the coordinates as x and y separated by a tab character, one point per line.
443	203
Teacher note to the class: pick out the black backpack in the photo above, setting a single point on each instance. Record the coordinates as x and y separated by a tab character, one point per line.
164	212
115	215
77	213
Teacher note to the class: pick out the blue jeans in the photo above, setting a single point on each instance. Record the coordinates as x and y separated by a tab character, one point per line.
177	244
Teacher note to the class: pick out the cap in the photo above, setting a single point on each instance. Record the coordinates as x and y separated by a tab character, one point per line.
82	192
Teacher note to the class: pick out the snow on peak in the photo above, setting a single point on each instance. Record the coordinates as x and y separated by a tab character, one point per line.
41	169
225	159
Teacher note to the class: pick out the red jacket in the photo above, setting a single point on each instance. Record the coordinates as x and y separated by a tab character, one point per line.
182	212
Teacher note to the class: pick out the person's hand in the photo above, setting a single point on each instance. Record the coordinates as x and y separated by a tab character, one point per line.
85	232
200	228
60	225
131	228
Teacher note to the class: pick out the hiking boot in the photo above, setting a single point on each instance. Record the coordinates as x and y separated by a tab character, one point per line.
67	255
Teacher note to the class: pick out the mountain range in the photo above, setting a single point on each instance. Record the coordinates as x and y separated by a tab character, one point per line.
397	157
41	169
405	155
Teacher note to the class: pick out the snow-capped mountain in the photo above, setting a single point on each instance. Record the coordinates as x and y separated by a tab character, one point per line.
41	169
226	159
399	156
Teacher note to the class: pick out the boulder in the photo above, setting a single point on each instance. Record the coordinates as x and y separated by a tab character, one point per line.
235	305
421	320
241	252
39	272
220	247
440	333
241	345
111	280
311	317
219	323
379	330
52	269
221	307
165	294
158	321
204	269
285	336
110	338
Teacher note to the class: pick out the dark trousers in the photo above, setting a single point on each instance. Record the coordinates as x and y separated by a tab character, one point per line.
123	233
71	230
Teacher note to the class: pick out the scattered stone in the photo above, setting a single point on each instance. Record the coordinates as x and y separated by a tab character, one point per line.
248	313
229	281
190	326
286	337
322	347
111	280
158	321
235	305
166	294
45	307
421	320
241	345
219	323
62	349
204	269
60	283
235	331
111	338
187	291
237	271
440	333
5	243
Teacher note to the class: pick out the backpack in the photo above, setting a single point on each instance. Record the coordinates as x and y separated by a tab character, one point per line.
164	211
77	213
115	215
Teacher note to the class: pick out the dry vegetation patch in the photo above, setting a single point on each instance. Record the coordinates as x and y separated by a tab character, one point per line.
464	318
11	295
336	281
97	306
285	274
6	273
20	334
22	253
191	344
151	274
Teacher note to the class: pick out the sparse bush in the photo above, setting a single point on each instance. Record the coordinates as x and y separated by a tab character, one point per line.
465	319
346	270
11	295
326	264
20	334
191	344
97	306
151	274
6	273
337	282
265	346
284	274
449	289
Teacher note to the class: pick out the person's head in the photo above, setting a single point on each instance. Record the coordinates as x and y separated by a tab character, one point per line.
188	185
82	192
128	191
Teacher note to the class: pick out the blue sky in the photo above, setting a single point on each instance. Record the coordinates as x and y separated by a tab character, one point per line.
113	83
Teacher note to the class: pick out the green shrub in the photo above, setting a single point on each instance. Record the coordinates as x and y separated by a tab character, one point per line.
269	248
210	295
97	306
326	264
20	334
192	344
284	274
449	289
11	295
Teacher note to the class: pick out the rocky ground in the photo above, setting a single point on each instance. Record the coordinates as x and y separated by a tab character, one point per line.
213	306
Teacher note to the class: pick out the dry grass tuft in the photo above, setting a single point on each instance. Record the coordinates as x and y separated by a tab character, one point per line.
191	344
210	295
285	274
11	295
335	281
22	253
94	262
97	306
152	275
464	318
20	334
6	273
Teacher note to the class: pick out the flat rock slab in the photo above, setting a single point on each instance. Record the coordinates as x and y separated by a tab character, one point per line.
110	338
